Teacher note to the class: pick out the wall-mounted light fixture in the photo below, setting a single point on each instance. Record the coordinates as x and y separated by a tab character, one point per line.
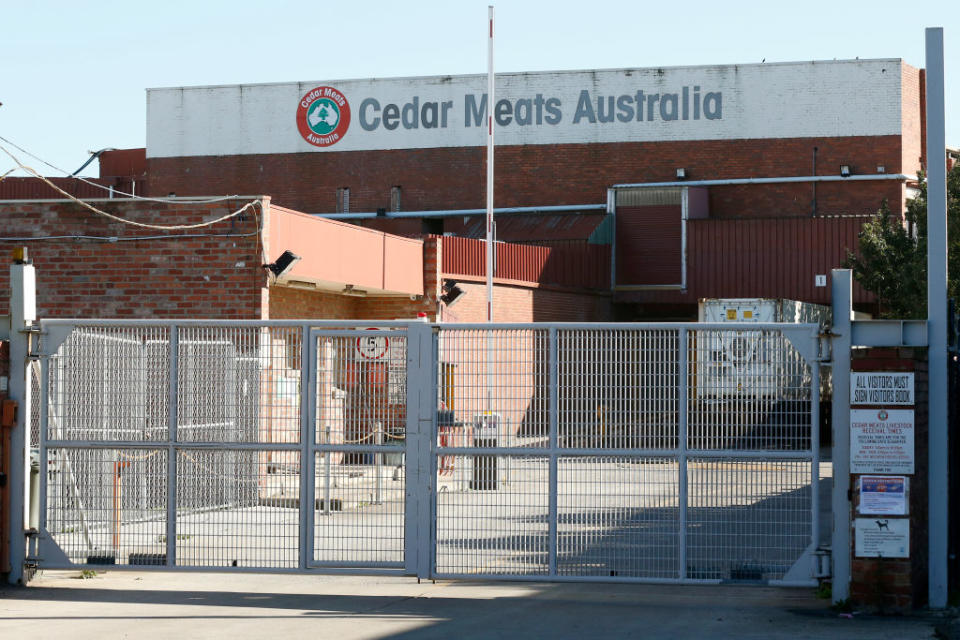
881	168
350	290
845	170
283	264
451	293
681	174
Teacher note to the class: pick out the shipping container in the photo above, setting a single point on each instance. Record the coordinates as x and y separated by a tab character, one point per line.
752	364
753	387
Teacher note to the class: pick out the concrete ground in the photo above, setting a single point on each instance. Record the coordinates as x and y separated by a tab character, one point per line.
207	605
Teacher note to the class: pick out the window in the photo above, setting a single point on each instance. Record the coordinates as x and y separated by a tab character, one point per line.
343	200
395	198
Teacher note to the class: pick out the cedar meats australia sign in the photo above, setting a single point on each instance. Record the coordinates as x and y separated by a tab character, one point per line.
323	116
713	102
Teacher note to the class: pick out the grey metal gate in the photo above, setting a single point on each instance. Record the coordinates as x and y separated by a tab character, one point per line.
658	453
562	452
241	445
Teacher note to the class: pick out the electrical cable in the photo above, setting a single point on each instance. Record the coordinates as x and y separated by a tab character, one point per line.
160	227
116	191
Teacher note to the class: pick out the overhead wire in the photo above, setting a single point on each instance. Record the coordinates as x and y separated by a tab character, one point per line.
161	227
112	189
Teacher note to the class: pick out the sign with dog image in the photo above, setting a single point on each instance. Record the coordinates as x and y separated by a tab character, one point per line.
882	538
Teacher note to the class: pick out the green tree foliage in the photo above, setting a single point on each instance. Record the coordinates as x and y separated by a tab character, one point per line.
892	258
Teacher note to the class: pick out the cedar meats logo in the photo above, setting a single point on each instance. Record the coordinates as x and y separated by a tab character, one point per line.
323	116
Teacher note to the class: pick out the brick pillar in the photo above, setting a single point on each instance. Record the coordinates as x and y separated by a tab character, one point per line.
896	585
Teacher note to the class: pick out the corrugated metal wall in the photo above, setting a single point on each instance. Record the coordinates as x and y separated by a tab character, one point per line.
769	258
578	265
775	258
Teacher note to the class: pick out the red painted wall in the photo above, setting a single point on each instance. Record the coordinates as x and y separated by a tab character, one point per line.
768	258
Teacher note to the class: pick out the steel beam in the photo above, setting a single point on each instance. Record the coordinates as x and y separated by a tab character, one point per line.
889	333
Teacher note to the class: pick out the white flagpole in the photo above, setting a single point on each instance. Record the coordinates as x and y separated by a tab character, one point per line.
490	105
490	250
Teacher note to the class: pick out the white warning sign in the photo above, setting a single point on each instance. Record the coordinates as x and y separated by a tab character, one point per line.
882	538
885	388
881	441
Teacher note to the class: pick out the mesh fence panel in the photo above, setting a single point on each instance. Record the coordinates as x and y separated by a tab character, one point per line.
748	390
107	506
248	528
618	516
496	532
621	514
747	519
109	383
360	491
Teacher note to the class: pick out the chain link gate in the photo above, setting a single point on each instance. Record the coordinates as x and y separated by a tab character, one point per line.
558	452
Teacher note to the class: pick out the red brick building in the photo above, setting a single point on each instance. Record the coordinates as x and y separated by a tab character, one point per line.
641	189
744	180
92	266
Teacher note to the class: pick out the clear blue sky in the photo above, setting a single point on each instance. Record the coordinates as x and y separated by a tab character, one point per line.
74	73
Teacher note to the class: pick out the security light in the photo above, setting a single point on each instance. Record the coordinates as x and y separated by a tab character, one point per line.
451	293
283	264
681	174
845	170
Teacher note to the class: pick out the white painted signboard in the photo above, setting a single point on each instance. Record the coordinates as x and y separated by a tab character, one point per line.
716	102
882	538
881	441
883	495
882	388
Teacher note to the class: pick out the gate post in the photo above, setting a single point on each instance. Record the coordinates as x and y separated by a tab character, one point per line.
420	476
23	311
842	303
937	461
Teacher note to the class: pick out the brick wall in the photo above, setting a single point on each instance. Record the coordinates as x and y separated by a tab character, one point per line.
913	116
294	303
897	585
523	304
452	178
288	303
210	272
